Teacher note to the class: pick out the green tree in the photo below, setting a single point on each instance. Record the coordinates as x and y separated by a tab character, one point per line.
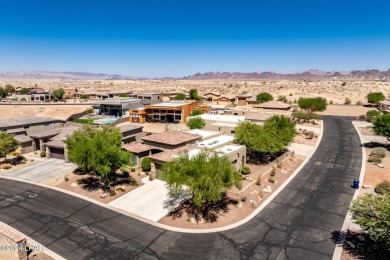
276	133
84	96
372	114
194	94
3	93
204	176
372	213
58	93
123	95
313	104
146	164
382	125
97	151
263	97
24	91
180	96
8	144
196	123
375	97
196	113
9	89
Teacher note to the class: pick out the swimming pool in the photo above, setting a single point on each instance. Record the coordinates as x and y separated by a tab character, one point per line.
104	121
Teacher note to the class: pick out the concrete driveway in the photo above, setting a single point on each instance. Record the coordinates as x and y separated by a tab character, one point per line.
150	201
43	171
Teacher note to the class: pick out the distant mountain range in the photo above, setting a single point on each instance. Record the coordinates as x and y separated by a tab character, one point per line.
304	74
49	75
64	76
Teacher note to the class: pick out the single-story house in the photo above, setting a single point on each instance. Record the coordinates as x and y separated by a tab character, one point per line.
24	127
273	105
169	140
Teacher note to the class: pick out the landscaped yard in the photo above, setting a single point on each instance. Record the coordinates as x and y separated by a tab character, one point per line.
85	120
236	205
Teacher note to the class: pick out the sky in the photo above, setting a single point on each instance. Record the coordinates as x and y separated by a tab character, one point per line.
176	38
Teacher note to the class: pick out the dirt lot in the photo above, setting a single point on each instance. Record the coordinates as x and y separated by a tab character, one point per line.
345	110
304	138
56	111
234	207
375	174
91	189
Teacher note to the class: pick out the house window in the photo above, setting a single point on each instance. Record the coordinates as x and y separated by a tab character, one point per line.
156	116
234	162
135	115
26	127
178	117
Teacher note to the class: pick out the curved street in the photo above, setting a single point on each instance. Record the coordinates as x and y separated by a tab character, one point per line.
297	224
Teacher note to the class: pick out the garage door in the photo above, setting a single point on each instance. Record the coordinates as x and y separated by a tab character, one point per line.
57	153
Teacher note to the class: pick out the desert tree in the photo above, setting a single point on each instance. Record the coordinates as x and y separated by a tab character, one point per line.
58	93
196	113
196	122
9	89
204	176
313	104
372	213
3	93
194	94
180	96
263	97
8	144
97	151
375	97
382	125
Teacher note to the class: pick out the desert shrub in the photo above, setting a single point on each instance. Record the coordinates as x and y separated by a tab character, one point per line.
196	113
331	102
112	193
43	154
290	94
282	98
347	101
372	114
196	123
344	84
273	172
245	170
16	153
146	164
6	166
374	159
362	118
271	179
279	163
150	177
258	181
383	188
66	178
309	135
84	96
132	169
379	152
359	103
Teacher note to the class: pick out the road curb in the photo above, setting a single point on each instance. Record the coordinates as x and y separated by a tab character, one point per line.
347	221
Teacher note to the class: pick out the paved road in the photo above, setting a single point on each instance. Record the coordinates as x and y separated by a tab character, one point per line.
43	171
297	224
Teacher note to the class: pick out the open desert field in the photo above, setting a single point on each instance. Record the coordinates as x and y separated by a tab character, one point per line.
333	90
56	111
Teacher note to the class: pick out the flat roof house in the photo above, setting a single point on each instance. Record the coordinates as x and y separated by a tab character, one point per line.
117	106
235	153
24	127
166	112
